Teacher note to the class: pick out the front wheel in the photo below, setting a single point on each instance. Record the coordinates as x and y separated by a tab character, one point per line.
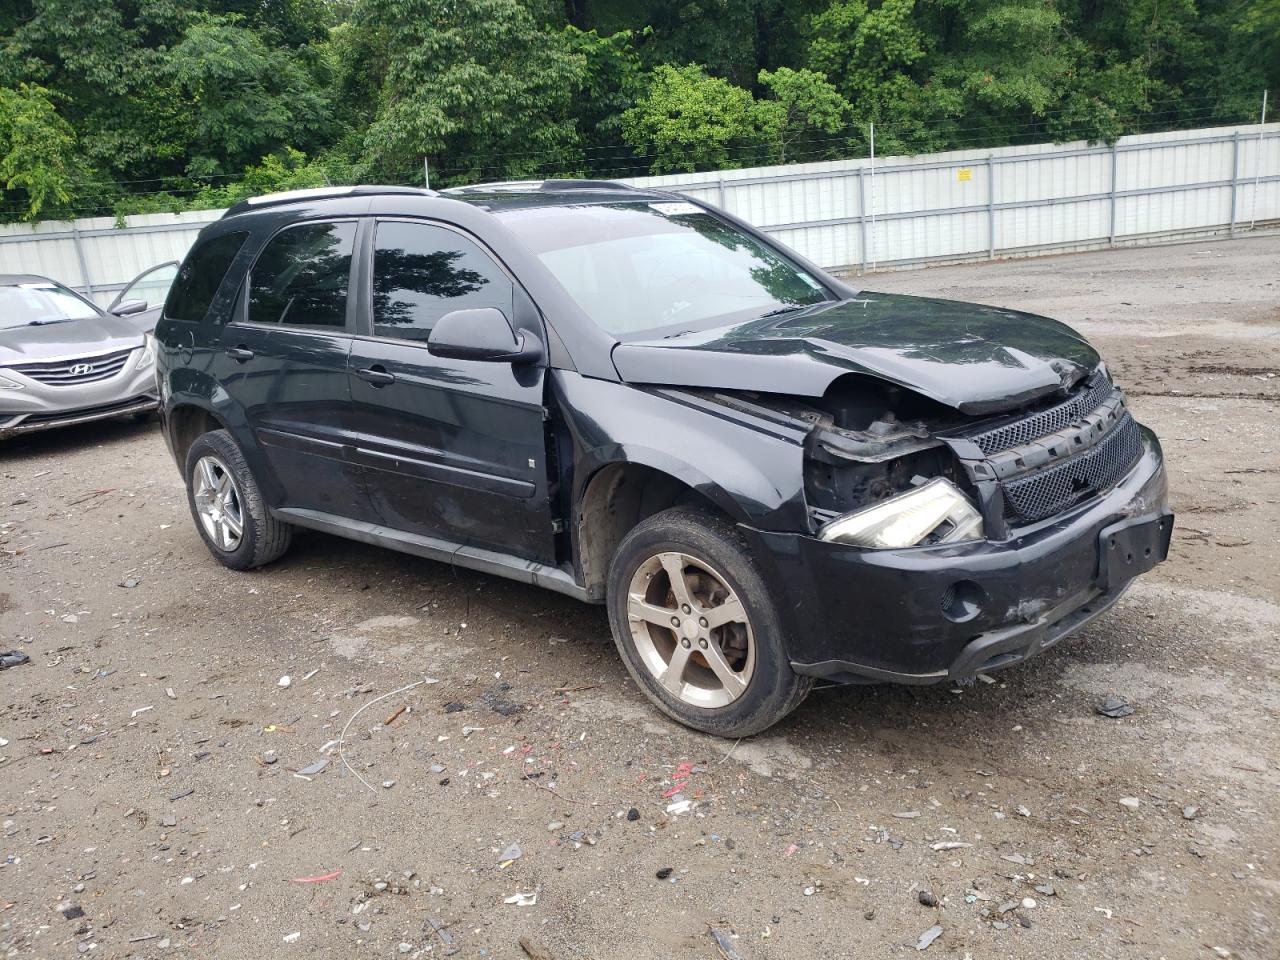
227	505
697	626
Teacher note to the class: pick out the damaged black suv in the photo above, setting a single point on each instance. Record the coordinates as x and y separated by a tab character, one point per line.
638	400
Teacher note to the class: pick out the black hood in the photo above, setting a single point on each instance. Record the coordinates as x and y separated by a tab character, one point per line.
974	358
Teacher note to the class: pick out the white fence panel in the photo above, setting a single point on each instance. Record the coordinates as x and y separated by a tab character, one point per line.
839	213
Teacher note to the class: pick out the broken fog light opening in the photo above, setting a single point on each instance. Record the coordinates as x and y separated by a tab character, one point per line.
934	512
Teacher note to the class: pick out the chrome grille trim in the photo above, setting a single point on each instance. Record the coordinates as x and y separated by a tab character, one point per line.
72	372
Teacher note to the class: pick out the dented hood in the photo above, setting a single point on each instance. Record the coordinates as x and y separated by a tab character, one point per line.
977	359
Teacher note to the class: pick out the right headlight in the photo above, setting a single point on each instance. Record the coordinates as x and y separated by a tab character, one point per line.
909	518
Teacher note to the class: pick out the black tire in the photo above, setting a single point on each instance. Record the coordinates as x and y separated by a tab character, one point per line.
774	689
263	538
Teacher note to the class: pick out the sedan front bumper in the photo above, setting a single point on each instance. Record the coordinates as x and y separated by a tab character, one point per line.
930	614
38	405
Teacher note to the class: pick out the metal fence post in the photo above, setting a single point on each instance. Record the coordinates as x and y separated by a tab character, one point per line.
1235	179
86	280
862	216
991	208
1111	234
720	187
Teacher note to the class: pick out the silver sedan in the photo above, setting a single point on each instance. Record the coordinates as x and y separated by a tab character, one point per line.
63	360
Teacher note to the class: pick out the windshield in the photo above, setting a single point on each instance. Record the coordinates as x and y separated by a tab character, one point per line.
38	303
648	267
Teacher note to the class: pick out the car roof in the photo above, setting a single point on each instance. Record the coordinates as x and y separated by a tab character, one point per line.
490	197
13	279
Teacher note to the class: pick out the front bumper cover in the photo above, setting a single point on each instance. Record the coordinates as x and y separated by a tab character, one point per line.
931	614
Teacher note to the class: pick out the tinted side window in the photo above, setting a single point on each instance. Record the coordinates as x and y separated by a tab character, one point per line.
421	272
301	276
200	276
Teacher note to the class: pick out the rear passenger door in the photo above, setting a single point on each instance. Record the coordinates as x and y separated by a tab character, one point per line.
452	449
284	362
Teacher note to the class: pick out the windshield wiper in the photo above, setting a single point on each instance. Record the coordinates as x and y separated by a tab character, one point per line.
45	323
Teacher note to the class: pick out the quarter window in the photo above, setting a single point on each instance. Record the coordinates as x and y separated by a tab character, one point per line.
302	275
200	276
421	272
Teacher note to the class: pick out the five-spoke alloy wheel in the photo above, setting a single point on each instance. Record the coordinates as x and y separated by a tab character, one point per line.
696	626
230	514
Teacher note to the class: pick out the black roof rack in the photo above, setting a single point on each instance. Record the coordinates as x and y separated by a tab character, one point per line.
322	193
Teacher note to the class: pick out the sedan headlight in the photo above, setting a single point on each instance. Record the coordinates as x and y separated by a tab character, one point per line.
909	518
148	352
7	384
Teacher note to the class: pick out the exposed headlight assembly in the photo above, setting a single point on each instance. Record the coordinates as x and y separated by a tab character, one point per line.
909	519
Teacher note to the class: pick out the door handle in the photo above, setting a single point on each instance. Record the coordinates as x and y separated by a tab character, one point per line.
240	354
376	375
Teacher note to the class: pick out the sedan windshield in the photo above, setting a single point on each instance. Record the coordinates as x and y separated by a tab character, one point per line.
654	267
35	304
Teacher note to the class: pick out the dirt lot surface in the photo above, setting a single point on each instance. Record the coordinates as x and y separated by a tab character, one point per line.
152	804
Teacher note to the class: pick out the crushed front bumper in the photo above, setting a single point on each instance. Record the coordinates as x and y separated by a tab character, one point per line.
930	614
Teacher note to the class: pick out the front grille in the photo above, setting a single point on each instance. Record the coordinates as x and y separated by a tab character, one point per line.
69	373
1058	487
1095	390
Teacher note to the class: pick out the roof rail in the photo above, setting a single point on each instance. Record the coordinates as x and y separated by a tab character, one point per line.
322	193
516	186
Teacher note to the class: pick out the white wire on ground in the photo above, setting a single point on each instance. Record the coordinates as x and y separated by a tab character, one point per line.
342	738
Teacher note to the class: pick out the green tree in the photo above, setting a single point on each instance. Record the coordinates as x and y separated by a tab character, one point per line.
245	98
477	85
804	106
689	121
37	150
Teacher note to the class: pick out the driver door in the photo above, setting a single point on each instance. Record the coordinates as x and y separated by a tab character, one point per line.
452	449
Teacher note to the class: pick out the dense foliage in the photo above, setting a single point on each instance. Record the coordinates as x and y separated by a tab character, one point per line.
118	106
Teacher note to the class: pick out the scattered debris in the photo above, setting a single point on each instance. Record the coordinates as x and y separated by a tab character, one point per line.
532	950
322	878
70	911
1114	707
140	710
930	935
13	658
663	873
284	681
1131	803
510	856
521	899
907	814
949	845
1190	812
292	937
633	814
927	899
454	706
130	582
181	793
724	943
311	769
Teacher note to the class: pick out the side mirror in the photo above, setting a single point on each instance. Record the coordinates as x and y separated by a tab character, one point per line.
483	333
129	308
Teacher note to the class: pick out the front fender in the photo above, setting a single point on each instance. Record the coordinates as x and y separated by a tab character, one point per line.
752	470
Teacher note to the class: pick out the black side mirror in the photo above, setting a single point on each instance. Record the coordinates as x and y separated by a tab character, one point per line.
129	308
483	333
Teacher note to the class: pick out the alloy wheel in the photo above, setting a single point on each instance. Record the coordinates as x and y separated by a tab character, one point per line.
690	630
218	503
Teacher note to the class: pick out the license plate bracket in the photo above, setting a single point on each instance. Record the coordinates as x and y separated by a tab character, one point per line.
1132	547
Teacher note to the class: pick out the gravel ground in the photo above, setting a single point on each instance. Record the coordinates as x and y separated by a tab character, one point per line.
153	805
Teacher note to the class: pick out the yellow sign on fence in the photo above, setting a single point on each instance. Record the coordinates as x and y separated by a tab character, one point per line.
964	174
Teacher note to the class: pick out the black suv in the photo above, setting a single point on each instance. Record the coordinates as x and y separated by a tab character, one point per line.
636	399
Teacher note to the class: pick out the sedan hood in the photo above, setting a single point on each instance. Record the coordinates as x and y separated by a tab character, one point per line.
71	338
974	358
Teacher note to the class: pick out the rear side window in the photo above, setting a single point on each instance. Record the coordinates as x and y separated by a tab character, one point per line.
200	276
301	276
421	272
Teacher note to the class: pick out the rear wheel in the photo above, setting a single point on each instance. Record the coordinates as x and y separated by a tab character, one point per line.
227	505
697	626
